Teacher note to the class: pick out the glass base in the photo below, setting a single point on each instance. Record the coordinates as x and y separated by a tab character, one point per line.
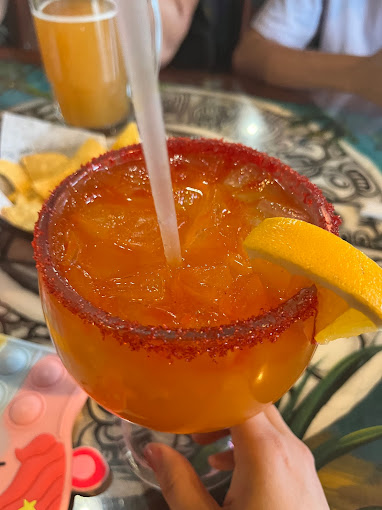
137	437
112	130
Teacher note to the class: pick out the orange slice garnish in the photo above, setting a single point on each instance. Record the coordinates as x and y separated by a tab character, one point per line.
349	283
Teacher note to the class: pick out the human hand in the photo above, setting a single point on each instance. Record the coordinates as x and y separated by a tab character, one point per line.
272	469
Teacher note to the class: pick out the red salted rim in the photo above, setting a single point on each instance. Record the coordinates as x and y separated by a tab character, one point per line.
186	342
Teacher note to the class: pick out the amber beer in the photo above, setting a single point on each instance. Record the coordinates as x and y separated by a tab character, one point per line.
189	349
83	61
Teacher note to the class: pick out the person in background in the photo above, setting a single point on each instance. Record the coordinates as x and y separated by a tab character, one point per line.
272	470
348	33
3	9
3	31
176	17
200	34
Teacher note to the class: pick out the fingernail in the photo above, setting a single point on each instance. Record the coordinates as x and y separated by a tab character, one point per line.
153	456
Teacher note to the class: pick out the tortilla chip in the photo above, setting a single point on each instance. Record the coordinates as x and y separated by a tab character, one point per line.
129	136
23	213
13	176
89	150
43	173
12	196
43	164
44	187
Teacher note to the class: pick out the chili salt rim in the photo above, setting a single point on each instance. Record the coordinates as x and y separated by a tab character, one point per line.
185	342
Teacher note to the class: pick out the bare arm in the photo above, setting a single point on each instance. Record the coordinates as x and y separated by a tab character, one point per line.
176	20
262	58
3	9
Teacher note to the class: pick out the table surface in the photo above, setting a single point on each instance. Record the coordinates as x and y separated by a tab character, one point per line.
336	141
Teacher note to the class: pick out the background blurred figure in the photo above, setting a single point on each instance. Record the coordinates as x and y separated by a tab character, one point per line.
17	36
201	34
176	17
348	34
3	10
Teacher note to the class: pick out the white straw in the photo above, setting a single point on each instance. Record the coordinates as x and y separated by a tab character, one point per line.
137	46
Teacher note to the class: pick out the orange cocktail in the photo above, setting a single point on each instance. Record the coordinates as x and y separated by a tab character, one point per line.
83	60
188	349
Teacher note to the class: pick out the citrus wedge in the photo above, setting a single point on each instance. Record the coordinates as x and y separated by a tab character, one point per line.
349	283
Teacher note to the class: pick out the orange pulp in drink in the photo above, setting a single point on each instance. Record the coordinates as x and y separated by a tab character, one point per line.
188	349
83	60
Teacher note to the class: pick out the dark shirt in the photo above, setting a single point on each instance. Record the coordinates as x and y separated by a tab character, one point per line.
212	37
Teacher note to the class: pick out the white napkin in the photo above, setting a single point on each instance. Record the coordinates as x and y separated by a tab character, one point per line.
21	135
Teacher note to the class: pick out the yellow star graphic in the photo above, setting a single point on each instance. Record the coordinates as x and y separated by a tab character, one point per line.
28	505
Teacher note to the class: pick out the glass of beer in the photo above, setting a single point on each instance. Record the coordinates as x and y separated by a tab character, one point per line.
83	60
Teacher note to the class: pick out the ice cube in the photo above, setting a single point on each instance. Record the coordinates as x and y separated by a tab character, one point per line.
143	287
186	197
204	284
247	176
270	209
213	230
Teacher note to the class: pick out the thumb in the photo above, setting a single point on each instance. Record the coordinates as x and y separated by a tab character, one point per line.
180	485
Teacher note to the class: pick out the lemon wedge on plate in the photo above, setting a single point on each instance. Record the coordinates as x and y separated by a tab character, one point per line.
349	283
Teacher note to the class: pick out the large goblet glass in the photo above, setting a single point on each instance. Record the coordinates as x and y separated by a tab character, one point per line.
161	376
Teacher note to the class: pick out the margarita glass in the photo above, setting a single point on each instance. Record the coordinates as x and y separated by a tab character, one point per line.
178	350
